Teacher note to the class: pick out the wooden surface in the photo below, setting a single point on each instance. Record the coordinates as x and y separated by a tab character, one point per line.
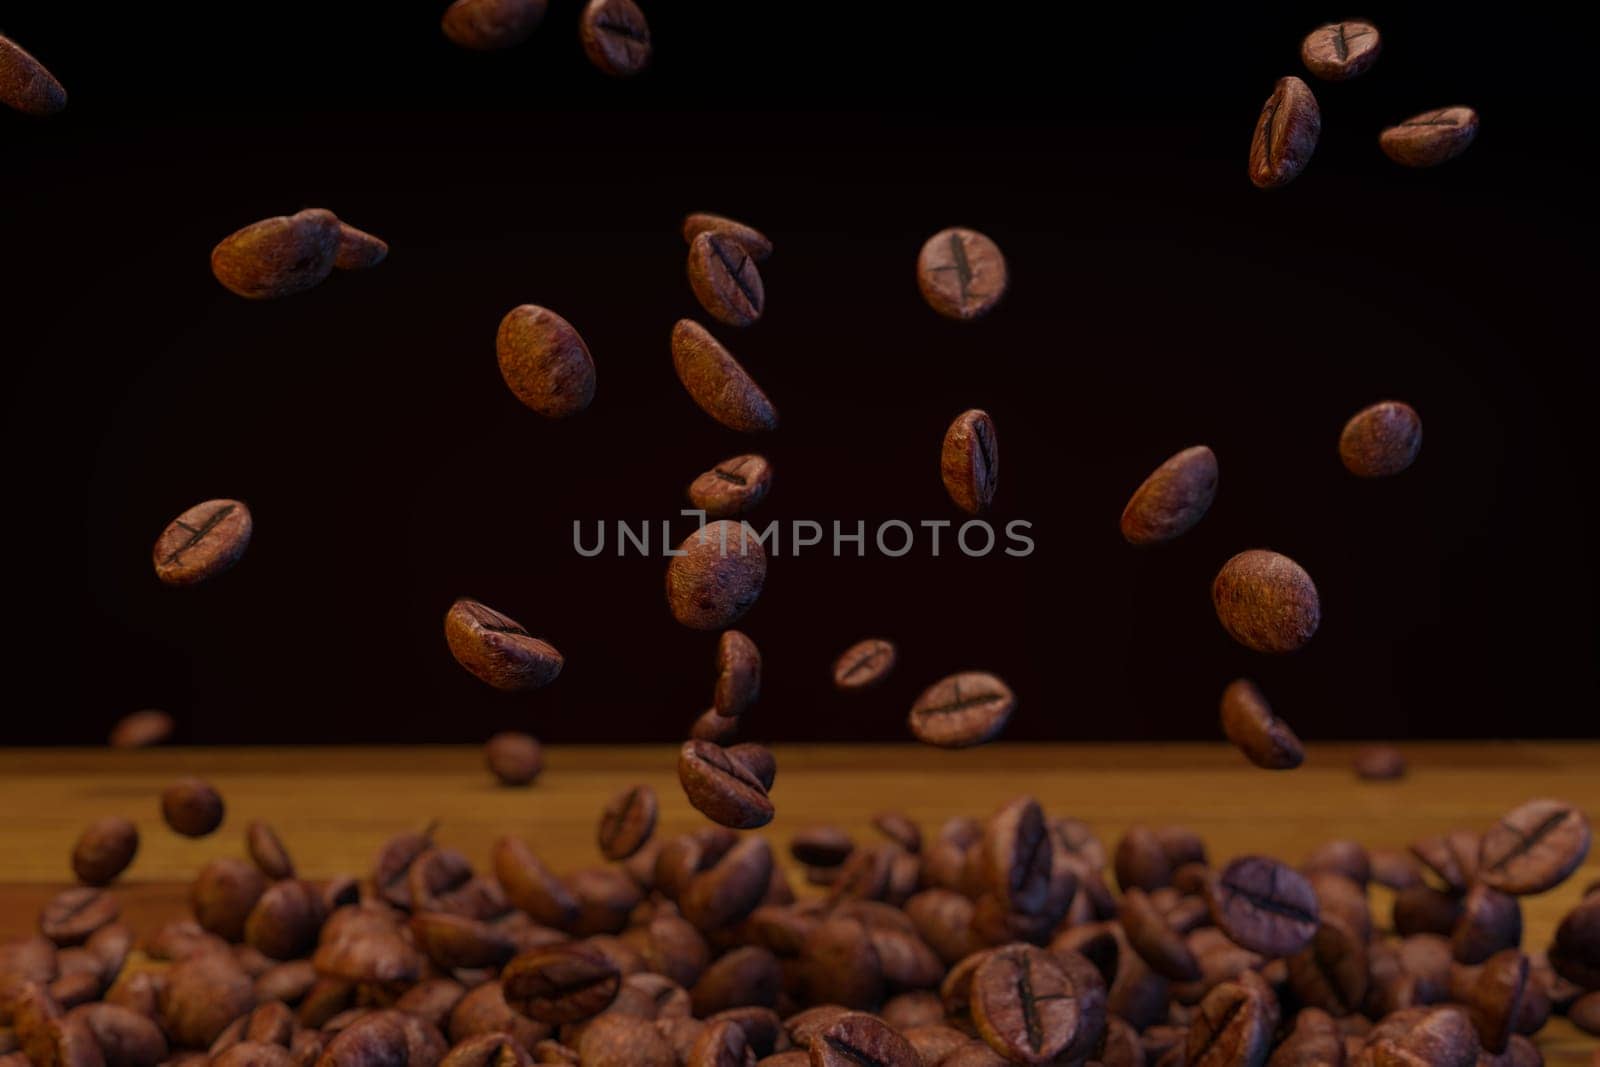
333	807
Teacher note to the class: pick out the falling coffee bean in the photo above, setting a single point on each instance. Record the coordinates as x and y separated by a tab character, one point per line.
544	361
25	84
732	487
716	576
1381	440
1266	740
717	383
489	25
1341	50
1431	138
1534	848
1379	763
1286	134
738	674
1264	906
714	727
961	273
1266	601
267	850
358	250
1172	499
962	710
142	729
513	758
278	257
864	664
725	280
753	241
721	787
203	542
192	807
969	462
497	650
104	850
615	37
627	822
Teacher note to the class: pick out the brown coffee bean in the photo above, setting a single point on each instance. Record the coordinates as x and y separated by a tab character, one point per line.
104	850
1339	51
725	279
821	846
721	1044
1534	848
627	822
1234	1026
531	886
969	462
278	257
265	848
1017	856
1379	763
489	25
1264	906
201	996
1141	861
25	84
455	942
1331	972
1381	440
732	487
223	895
192	807
858	1040
747	975
73	914
864	664
126	1038
1286	134
729	890
203	542
1490	921
717	383
498	650
284	922
1266	740
373	957
358	250
1266	601
961	274
110	946
287	982
1442	1036
514	758
758	760
1154	940
1172	499
1585	1013
716	575
615	37
1024	1005
374	1039
1440	860
962	710
752	241
899	828
1431	138
142	729
1314	1042
544	361
717	729
1395	869
1496	998
1424	910
738	674
561	983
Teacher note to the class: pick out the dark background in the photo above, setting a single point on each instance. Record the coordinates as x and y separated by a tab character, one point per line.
1157	301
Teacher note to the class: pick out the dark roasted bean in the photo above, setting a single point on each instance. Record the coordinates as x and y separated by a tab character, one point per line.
1338	51
1266	740
962	710
1266	601
545	362
969	461
721	788
203	542
497	650
104	850
1286	134
488	25
615	37
1264	906
961	273
1172	499
1534	848
1431	138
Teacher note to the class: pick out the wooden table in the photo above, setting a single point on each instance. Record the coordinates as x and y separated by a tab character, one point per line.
333	807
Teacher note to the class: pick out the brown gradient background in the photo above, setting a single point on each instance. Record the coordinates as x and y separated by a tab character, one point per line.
1157	301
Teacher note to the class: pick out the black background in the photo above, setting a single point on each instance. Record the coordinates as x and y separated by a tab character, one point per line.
1157	301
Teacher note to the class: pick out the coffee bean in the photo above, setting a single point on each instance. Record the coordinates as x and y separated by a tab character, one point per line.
1424	910
1141	861
1394	869
74	914
1286	134
544	362
858	1040
721	1044
1490	921
1440	860
758	760
358	250
25	84
732	487
627	822
104	850
201	996
489	25
752	241
969	462
497	650
899	828
1266	601
1264	906
1024	1005
1172	499
285	921
1315	1040
224	893
1266	740
1234	1026
1381	440
738	674
192	807
142	729
561	983
864	664
262	842
1331	972
1017	856
1534	848
961	273
716	576
514	758
717	383
1379	763
1154	940
715	728
488	1050
962	710
721	788
455	942
725	280
615	37
1585	1013
821	846
279	256
1575	955
1339	51
1431	138
1496	998
127	1038
203	542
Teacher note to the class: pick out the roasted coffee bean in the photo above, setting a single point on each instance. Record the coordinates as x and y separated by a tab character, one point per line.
374	1039
73	914
627	822
288	982
142	729
1585	1013
1439	859
126	1038
1248	721
1154	940
962	710
285	921
1331	972
278	257
864	664
497	650
738	674
921	1007
840	965
1315	1041
1339	51
717	383
747	975
488	1050
1379	763
1024	1005
1233	1027
1264	906
531	886
1347	858
969	462
358	249
1395	869
1141	861
192	807
223	895
104	850
374	957
715	728
721	788
203	542
725	279
25	84
1534	848
1172	499
961	273
858	1040
1431	138
716	575
1286	134
544	361
110	946
821	846
615	37
758	760
1425	910
732	487
514	758
262	842
1490	921
898	827
721	1044
455	942
561	983
201	996
1496	999
1381	440
1017	856
751	240
489	25
1575	955
1266	601
729	890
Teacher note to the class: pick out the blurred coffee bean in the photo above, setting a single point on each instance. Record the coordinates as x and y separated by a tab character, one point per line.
192	807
